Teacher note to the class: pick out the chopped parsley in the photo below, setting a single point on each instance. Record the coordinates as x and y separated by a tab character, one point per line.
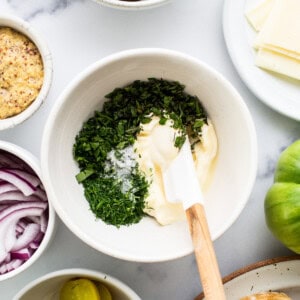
114	129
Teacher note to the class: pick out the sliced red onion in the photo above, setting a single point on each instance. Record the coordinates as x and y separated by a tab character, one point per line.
13	264
23	212
28	177
7	258
16	263
24	186
29	234
3	206
34	245
22	223
34	219
39	237
23	254
20	226
9	160
16	196
20	206
3	268
10	237
8	223
44	222
7	187
41	194
19	230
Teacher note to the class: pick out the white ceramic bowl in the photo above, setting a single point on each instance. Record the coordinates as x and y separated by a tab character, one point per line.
26	29
33	163
49	285
235	169
132	5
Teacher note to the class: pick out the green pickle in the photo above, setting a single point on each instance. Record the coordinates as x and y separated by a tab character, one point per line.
84	289
104	292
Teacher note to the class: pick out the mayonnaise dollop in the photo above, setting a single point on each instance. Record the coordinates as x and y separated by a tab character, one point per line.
204	155
155	151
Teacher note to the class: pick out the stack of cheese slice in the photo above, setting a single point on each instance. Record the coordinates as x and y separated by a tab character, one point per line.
278	39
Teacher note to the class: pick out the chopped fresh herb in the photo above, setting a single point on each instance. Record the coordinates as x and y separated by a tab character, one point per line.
115	128
179	141
83	175
109	203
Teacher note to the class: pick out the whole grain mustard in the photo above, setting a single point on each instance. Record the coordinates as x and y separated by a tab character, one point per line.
21	72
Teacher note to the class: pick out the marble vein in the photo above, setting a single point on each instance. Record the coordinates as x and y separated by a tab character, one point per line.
267	169
29	9
155	275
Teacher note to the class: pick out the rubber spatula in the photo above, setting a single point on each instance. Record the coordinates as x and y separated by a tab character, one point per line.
181	185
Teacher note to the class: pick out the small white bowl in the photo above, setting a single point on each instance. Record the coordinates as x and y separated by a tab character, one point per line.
48	286
26	29
235	168
132	5
33	163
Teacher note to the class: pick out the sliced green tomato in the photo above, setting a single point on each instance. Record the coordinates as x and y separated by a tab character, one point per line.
104	292
79	289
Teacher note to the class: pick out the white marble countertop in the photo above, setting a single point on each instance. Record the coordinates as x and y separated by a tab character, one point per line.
79	32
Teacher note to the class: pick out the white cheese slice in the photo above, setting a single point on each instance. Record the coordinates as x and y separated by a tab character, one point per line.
279	63
282	27
258	16
282	51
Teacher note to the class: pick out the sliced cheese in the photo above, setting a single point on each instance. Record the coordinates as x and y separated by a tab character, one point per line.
282	27
282	51
278	63
278	40
258	16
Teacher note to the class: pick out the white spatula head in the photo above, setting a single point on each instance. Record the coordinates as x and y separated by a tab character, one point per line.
180	179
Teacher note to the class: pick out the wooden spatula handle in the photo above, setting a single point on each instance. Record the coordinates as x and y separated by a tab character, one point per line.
205	255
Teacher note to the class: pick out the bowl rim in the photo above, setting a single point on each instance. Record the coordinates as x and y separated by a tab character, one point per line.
22	26
135	5
126	54
85	272
257	265
31	161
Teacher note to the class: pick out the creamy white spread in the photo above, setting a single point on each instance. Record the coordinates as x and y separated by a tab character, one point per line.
155	151
21	72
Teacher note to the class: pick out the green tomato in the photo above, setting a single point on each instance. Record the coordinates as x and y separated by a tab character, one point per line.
282	202
288	166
